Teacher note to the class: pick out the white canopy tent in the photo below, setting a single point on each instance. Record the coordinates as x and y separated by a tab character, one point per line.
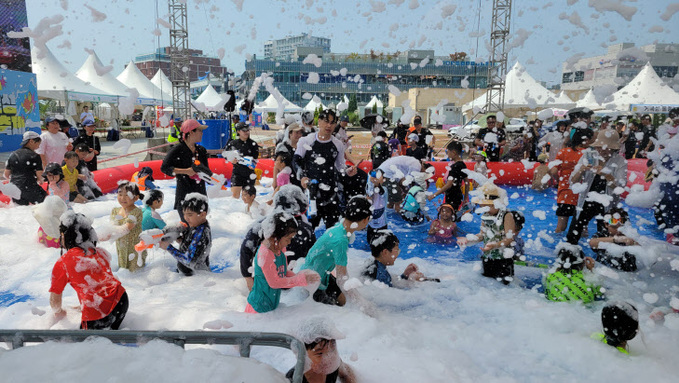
589	101
375	101
93	72
271	105
55	82
212	100
132	77
163	83
312	105
645	88
523	91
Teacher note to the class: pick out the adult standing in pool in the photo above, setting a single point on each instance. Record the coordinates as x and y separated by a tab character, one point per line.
24	169
185	160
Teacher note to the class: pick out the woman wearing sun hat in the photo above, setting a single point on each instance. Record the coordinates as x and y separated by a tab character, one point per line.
497	233
601	170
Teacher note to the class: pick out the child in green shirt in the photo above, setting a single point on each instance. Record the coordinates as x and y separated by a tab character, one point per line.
330	252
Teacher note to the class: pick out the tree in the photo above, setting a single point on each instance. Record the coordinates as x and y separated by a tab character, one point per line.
353	104
374	110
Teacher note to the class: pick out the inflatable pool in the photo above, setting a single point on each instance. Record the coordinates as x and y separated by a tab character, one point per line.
505	173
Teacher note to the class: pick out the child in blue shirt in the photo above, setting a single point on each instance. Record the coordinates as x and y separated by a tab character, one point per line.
385	249
153	200
194	251
330	252
271	265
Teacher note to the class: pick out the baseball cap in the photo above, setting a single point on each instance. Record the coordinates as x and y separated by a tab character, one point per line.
294	127
414	137
191	124
242	126
56	117
88	122
30	135
344	118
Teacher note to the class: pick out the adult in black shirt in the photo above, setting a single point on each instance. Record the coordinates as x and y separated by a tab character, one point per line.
491	147
243	173
414	149
24	169
422	134
92	141
400	133
380	150
646	145
181	161
320	157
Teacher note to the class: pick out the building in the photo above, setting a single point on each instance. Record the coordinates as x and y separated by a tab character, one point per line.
284	49
200	64
618	66
365	75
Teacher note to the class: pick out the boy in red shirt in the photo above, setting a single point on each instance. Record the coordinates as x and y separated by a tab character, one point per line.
103	299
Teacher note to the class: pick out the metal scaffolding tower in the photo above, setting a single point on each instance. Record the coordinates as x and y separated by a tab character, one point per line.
499	32
179	59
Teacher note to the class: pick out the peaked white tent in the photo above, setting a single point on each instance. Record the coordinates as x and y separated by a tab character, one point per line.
645	88
271	105
211	99
523	91
375	101
132	77
93	72
313	105
589	101
161	82
56	82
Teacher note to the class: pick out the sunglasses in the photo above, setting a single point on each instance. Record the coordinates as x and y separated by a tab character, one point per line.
614	221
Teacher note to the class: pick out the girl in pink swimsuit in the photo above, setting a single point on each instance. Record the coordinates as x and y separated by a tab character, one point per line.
443	229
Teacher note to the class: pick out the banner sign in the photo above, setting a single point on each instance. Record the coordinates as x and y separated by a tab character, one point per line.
15	54
652	108
19	108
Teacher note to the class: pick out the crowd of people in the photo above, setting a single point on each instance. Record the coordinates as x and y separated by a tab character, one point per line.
312	184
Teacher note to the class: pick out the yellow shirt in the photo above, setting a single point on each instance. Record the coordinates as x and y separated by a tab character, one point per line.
71	178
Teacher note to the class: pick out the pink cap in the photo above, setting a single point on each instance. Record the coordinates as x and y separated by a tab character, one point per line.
191	124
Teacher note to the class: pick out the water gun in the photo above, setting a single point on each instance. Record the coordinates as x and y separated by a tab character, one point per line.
152	237
248	161
203	173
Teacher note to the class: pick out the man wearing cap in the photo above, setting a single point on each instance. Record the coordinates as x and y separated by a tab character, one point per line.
175	130
54	143
185	161
491	139
24	169
601	170
92	141
320	156
243	173
86	115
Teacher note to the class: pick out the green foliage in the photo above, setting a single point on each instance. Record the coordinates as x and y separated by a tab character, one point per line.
316	113
374	109
353	118
271	118
353	103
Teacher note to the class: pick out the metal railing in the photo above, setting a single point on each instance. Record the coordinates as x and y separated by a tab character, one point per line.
244	340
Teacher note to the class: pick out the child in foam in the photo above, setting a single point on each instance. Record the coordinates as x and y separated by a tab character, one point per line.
376	191
72	176
130	217
481	159
47	214
385	249
610	243
153	200
412	209
330	252
497	233
271	265
443	229
54	175
103	299
194	252
568	282
620	321
325	365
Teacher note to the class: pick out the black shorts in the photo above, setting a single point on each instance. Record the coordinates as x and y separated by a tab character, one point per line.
243	179
113	320
395	193
329	296
72	196
565	210
500	269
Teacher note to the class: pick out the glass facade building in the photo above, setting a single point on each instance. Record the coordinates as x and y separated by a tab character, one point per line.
366	75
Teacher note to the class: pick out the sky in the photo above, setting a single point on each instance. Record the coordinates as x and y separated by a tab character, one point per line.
542	34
